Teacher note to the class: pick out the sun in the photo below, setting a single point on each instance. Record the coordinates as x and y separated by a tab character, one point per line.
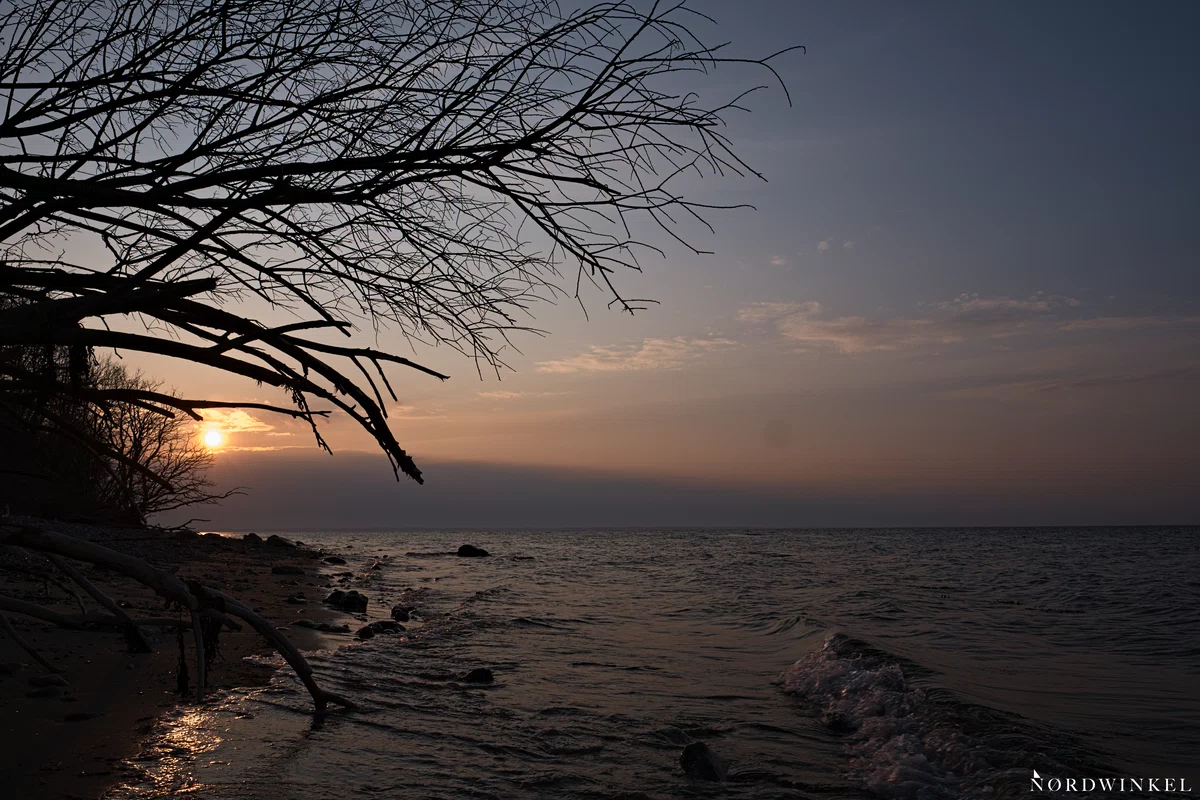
213	438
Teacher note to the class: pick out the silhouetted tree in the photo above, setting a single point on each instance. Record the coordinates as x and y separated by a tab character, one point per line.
114	460
165	465
430	165
435	166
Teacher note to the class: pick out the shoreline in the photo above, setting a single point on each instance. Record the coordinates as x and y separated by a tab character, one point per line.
80	740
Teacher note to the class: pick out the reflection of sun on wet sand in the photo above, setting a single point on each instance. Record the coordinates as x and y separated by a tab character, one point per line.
69	740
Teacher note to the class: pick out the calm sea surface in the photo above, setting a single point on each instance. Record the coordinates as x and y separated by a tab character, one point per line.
814	664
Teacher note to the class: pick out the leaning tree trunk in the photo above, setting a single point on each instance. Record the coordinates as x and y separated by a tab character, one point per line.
199	601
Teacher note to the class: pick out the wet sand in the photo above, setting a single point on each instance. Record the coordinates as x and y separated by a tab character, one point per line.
74	743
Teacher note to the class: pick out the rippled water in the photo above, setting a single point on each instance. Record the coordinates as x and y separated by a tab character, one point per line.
832	664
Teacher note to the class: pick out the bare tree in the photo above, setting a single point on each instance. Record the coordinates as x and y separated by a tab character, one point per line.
165	465
432	166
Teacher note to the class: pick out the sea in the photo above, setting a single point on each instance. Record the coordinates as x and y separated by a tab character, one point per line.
930	664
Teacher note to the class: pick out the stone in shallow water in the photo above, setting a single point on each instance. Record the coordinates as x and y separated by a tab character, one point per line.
401	613
336	560
471	551
279	541
379	627
699	762
479	675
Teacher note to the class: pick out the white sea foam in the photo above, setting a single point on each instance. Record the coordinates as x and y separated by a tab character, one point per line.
901	742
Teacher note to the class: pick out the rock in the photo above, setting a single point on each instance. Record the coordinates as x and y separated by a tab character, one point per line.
48	680
401	613
379	627
279	541
324	627
699	762
838	722
286	569
46	691
335	560
186	534
351	601
297	599
478	675
253	538
471	551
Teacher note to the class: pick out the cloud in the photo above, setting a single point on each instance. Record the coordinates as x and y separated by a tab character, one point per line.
770	312
847	245
1005	389
502	395
261	448
1126	323
778	261
823	247
412	412
651	354
966	316
234	420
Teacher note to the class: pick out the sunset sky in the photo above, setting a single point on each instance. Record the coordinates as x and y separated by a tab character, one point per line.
968	295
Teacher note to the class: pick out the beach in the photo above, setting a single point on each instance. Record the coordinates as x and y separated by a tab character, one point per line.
845	664
76	741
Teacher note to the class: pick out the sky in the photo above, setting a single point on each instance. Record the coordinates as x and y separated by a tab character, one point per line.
966	295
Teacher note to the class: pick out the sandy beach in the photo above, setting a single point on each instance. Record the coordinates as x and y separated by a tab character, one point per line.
73	741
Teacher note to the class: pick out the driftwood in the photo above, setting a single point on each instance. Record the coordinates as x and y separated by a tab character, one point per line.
137	642
24	645
45	576
198	600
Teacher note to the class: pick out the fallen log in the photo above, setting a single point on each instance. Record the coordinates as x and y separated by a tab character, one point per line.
137	642
24	645
94	618
197	599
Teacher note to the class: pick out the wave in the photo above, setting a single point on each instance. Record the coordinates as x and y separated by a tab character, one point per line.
906	741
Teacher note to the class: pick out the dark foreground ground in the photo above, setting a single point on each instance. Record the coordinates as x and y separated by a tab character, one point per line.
73	741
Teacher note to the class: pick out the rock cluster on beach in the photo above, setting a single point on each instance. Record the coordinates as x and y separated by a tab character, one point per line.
378	627
324	627
352	601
